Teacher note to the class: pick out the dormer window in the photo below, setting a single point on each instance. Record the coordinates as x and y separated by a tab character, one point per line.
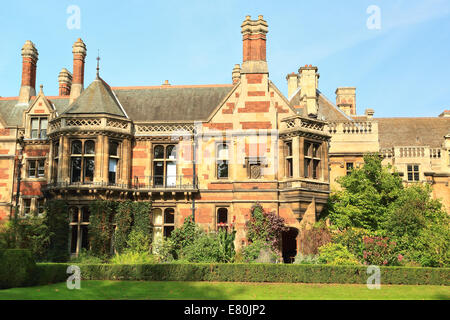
39	128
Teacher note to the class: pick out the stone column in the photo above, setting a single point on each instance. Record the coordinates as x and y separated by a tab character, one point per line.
296	157
302	157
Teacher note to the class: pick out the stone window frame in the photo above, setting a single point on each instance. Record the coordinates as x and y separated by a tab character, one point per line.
163	225
36	169
288	159
165	160
40	130
84	156
312	162
55	166
414	173
81	224
347	170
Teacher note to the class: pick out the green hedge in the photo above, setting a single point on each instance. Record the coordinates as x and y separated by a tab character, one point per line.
17	268
248	273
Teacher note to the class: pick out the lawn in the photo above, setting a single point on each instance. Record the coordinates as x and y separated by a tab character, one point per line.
106	290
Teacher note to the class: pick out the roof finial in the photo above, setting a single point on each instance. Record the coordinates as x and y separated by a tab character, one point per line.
98	63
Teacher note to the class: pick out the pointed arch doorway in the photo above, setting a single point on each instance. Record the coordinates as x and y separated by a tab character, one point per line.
289	244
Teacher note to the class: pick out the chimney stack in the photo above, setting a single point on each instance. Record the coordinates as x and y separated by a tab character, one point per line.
309	81
65	82
29	60
254	45
292	80
236	73
79	54
346	100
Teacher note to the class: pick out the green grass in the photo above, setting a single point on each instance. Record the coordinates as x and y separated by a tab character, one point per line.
114	290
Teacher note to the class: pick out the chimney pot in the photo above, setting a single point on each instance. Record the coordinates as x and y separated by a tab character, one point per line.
254	45
79	55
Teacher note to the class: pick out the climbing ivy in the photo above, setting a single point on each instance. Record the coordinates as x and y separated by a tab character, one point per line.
100	227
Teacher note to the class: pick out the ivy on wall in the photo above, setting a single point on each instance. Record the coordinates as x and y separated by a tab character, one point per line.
100	227
57	221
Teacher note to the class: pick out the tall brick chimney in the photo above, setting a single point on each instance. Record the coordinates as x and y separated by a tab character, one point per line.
79	54
254	45
346	100
29	60
65	82
309	82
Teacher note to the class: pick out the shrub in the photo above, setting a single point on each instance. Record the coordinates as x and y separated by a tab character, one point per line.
306	259
203	249
17	268
86	257
379	251
57	219
252	251
132	257
182	237
100	227
265	227
336	254
288	273
352	238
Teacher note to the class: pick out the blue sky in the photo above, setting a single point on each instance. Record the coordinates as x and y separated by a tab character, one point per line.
400	70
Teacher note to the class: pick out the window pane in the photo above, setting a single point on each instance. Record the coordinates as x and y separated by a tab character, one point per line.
76	169
158	173
113	149
222	152
73	214
35	124
171	174
73	240
85	214
56	150
84	237
89	169
416	176
410	176
43	134
34	134
169	215
41	168
316	150
306	149
222	215
40	206
168	231
288	149
32	169
44	123
315	169
289	167
307	163
76	147
171	152
159	152
112	170
89	147
222	169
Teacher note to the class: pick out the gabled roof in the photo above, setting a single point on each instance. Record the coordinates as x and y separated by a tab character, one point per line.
171	103
412	131
98	98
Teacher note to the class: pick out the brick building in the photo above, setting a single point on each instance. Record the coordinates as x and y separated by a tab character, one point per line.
211	151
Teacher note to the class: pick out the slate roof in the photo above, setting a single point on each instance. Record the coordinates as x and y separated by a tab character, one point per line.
412	131
157	103
98	98
171	103
327	110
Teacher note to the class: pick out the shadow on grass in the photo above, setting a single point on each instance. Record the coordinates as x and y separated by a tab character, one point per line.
132	290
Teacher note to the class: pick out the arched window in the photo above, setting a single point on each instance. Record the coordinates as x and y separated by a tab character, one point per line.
82	161
164	166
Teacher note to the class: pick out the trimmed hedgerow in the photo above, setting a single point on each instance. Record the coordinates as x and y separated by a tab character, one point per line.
253	273
17	268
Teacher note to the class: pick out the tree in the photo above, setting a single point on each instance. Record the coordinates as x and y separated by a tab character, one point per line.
366	196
